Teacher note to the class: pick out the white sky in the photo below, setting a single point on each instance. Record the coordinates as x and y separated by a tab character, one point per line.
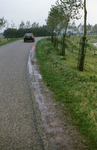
37	11
91	13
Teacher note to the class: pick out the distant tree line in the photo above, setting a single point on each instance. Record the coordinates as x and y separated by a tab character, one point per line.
17	33
80	27
26	28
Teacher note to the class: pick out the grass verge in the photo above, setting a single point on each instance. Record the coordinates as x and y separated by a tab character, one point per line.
8	41
78	90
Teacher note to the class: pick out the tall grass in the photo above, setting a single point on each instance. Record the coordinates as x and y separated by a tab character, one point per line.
5	41
78	90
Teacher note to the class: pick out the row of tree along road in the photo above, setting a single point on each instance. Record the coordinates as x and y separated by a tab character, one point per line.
58	19
60	15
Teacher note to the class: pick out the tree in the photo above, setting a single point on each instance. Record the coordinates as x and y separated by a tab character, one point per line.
95	28
2	22
7	28
35	25
81	61
54	18
81	28
22	25
89	27
50	23
11	33
74	26
13	25
71	11
28	24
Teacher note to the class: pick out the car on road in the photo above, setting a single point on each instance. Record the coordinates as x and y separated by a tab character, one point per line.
29	37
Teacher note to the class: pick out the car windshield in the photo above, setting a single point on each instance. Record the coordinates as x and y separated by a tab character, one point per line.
28	34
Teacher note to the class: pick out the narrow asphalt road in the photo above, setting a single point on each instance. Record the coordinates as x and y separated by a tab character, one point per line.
18	129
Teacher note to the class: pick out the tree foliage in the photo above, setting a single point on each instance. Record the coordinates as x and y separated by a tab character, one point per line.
71	11
95	28
16	33
22	25
54	18
61	14
35	25
2	22
28	24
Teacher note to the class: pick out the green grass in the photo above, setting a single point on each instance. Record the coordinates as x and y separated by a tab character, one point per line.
78	90
8	41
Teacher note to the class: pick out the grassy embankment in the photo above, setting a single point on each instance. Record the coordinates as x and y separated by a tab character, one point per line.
5	41
78	90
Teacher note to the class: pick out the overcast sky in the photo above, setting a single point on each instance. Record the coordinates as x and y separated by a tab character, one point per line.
37	11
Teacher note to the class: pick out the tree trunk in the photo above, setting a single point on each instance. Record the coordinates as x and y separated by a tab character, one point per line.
63	43
63	46
55	40
81	63
7	37
52	37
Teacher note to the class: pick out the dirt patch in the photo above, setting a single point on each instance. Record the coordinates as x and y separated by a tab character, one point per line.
60	132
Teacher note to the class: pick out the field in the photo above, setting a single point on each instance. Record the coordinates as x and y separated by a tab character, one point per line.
78	90
4	41
2	38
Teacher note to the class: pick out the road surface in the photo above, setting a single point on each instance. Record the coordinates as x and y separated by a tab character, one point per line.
18	128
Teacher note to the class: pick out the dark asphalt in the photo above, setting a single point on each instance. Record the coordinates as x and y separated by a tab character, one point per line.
18	129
